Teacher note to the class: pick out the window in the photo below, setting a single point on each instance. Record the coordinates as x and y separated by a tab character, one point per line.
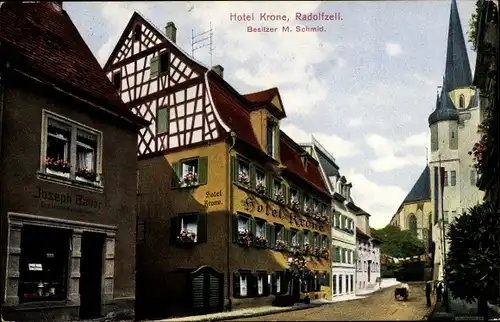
260	183
461	101
344	255
352	283
243	224
191	172
347	283
159	65
243	285
260	284
137	33
316	240
278	191
307	234
340	284
278	283
60	150
453	215
43	263
315	205
434	138
295	237
412	224
162	117
453	178
351	257
359	266
271	138
334	284
337	254
280	232
294	196
337	220
343	224
117	80
445	216
188	228
445	178
473	177
307	204
260	228
324	242
365	266
243	172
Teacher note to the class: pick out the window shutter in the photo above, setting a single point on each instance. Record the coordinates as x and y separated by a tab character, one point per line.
234	170
328	279
268	235
202	228
202	170
272	237
269	185
175	229
274	286
154	67
252	176
301	238
267	287
235	228
276	142
252	284
236	284
175	175
162	120
287	236
253	228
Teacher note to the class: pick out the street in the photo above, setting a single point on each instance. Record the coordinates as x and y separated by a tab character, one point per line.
379	306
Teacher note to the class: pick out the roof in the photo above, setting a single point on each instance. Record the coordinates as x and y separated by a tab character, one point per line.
264	96
291	157
361	234
457	72
42	41
445	110
421	189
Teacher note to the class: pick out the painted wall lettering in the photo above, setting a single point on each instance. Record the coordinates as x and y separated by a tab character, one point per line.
66	201
213	198
251	204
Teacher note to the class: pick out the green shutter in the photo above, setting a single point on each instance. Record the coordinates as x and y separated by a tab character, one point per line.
162	120
272	232
175	174
202	228
269	185
234	170
154	67
202	170
253	176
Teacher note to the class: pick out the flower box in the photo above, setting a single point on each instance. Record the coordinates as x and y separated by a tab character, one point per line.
324	253
295	205
307	210
243	178
279	197
260	188
316	252
307	249
190	179
244	238
57	173
58	166
83	173
260	241
280	245
186	237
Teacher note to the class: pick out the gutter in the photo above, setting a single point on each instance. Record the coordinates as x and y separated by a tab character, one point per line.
229	198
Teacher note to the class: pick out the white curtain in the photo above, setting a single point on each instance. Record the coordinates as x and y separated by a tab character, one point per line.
189	226
243	285
260	285
86	160
260	230
186	168
242	225
295	240
306	239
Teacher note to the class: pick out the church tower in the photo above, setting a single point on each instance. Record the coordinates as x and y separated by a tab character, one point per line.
453	126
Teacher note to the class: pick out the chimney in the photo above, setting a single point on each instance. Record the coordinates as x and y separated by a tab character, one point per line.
171	31
219	70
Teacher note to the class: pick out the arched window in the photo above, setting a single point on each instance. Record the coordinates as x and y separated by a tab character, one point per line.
412	224
461	101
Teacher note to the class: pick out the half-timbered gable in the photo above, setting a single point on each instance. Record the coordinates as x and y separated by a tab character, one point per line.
162	84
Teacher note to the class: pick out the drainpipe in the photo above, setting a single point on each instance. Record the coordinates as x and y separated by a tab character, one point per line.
3	260
229	215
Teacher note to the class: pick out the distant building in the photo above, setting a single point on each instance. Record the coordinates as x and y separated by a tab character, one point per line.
415	212
368	256
454	131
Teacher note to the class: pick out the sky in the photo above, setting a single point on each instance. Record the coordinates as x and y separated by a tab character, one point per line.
364	87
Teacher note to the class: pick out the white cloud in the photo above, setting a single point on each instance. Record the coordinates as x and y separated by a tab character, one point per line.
397	154
373	198
393	49
354	122
427	81
335	145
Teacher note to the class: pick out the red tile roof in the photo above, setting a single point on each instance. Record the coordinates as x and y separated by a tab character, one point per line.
233	112
290	157
43	41
264	96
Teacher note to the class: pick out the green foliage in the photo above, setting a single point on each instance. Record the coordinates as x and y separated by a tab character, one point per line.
398	243
473	265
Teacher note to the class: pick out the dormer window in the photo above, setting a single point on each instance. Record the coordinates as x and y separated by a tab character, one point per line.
461	101
271	139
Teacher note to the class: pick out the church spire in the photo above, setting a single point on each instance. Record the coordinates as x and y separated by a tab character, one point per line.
457	73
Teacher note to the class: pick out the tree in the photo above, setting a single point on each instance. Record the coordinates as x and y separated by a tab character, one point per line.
398	243
472	265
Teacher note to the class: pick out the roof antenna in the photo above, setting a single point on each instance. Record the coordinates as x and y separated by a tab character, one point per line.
202	40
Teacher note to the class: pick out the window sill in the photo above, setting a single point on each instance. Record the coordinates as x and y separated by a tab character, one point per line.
261	195
78	183
191	186
26	306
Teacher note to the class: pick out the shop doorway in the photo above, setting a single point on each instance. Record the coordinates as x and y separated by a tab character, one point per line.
91	274
369	270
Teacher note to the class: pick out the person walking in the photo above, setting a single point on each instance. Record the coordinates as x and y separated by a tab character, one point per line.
428	290
439	291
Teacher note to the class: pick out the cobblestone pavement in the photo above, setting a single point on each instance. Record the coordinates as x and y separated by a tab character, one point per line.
379	306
